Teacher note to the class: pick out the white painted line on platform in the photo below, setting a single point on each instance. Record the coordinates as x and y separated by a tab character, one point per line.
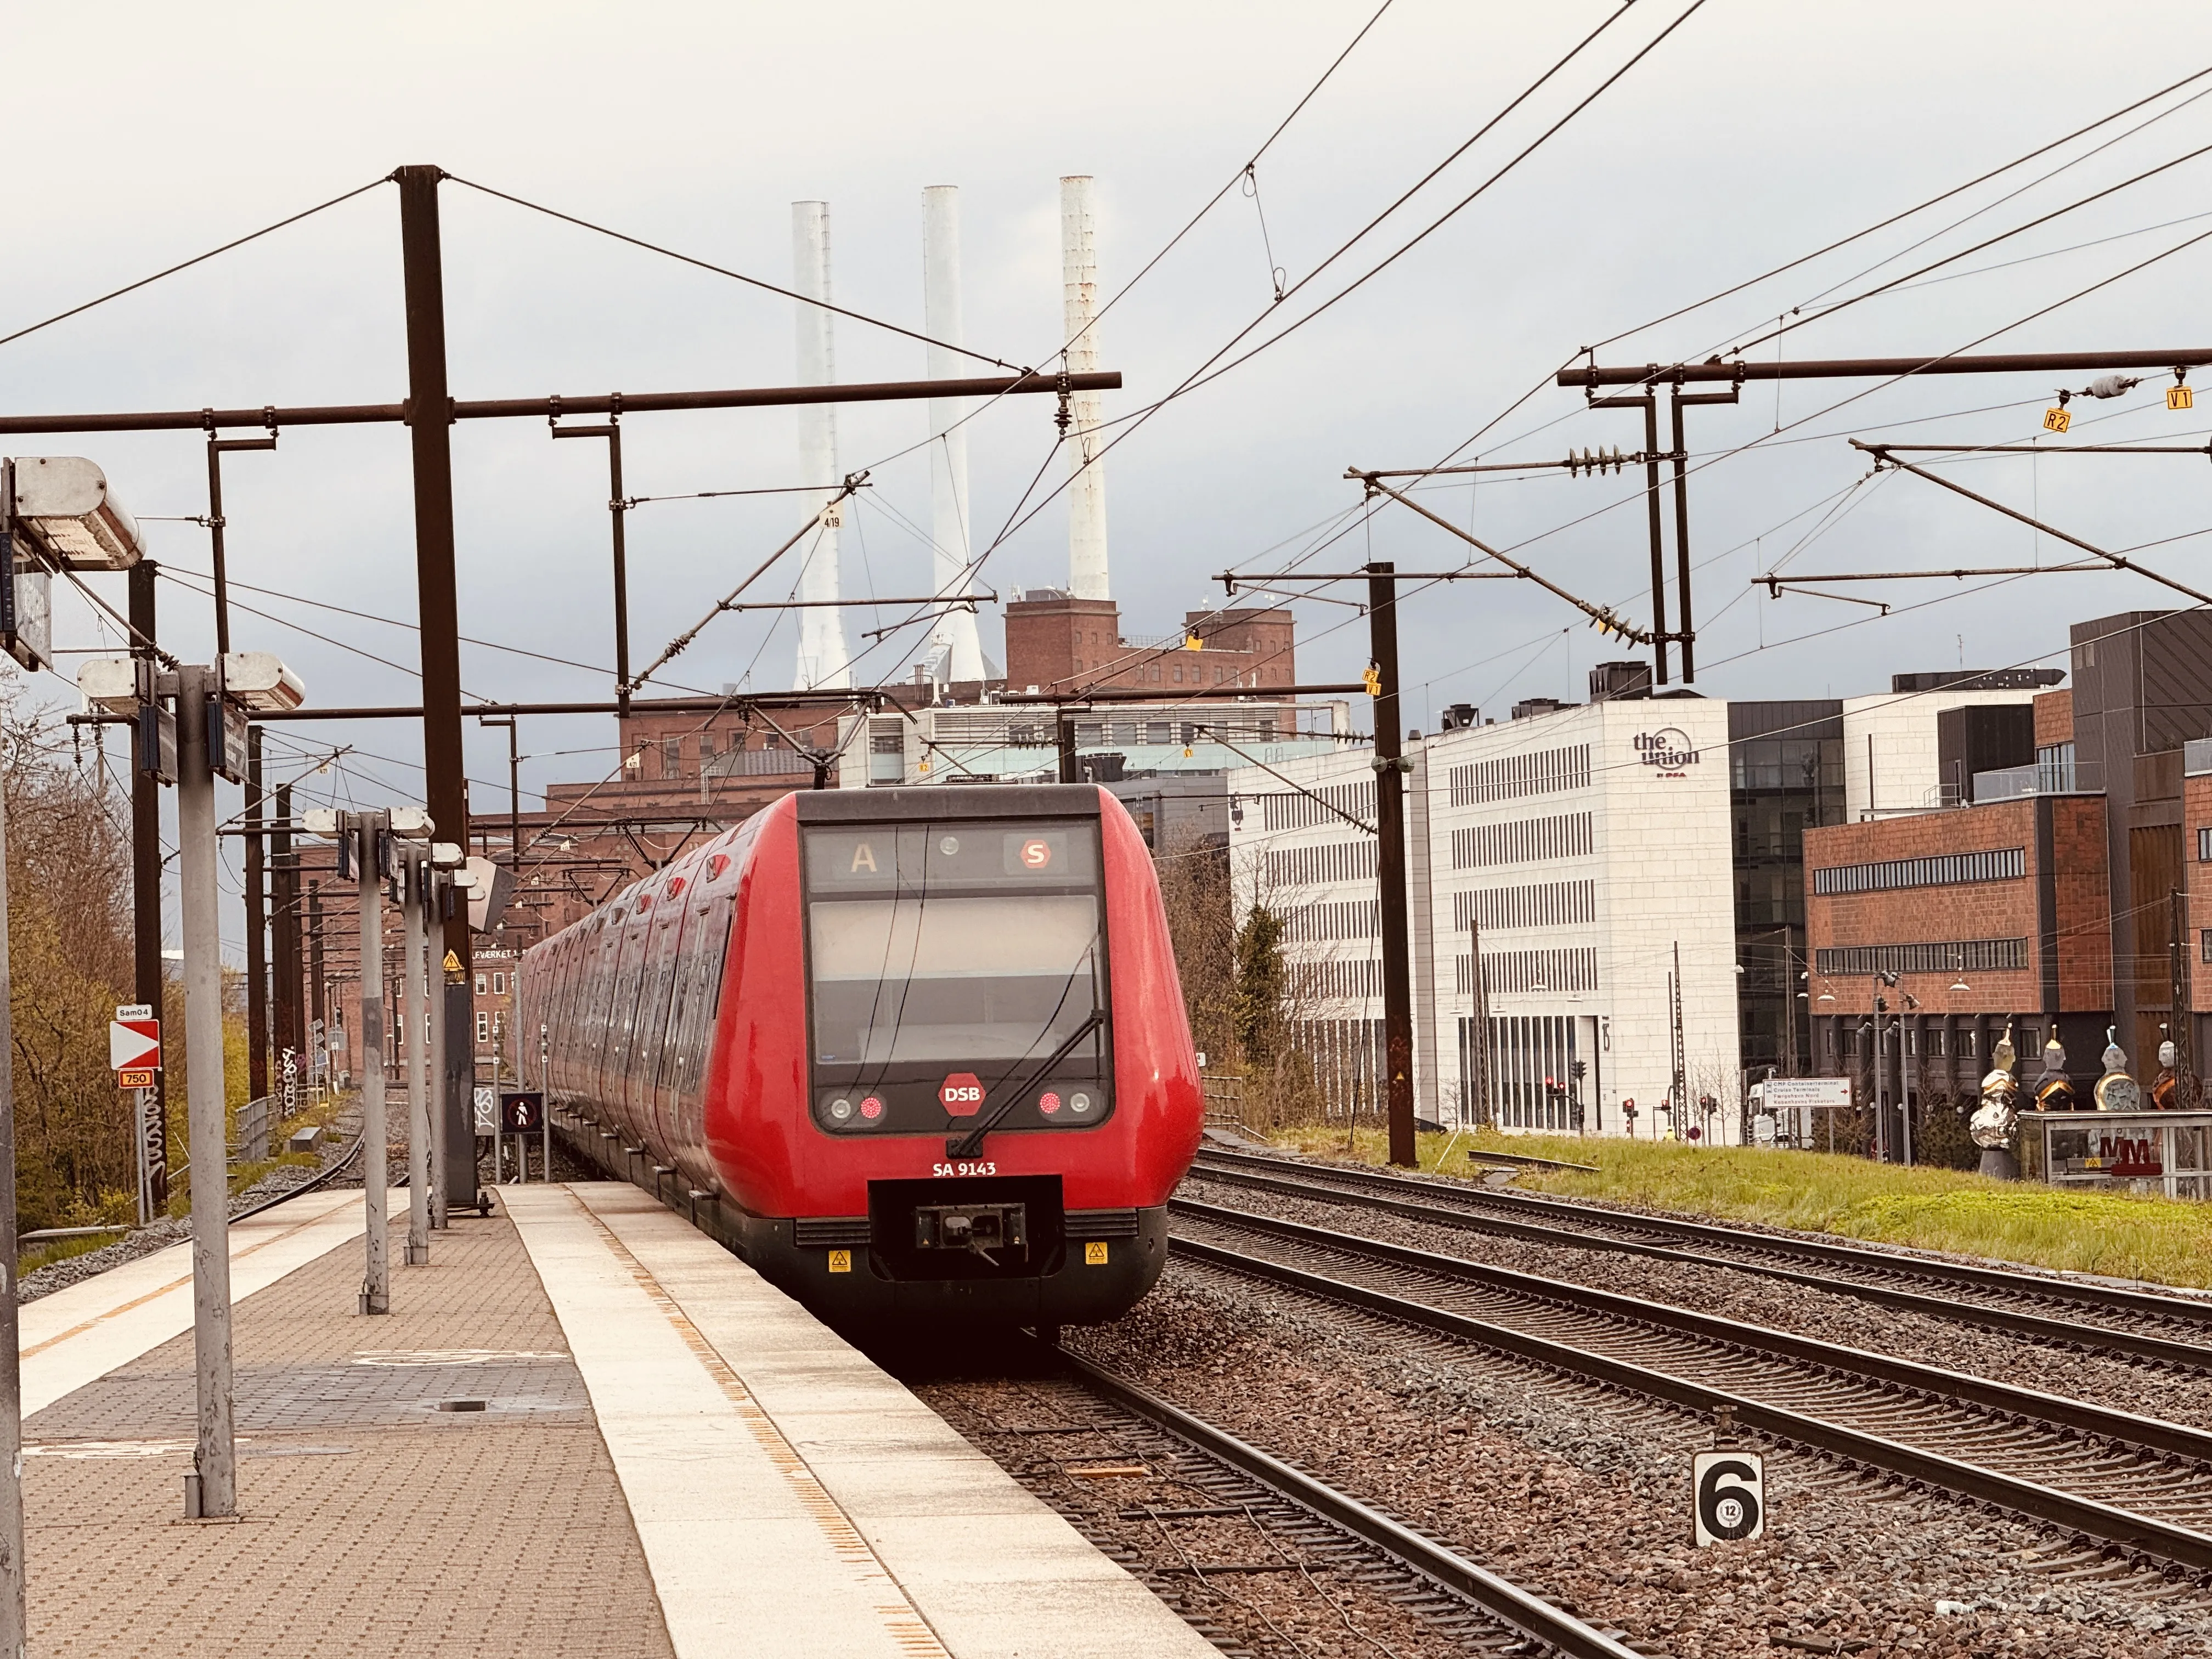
997	1573
82	1332
748	1554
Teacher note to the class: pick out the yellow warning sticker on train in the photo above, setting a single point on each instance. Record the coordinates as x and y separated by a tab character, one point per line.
841	1262
1094	1253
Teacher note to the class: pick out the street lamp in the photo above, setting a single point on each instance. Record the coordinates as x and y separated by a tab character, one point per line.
52	512
200	734
56	512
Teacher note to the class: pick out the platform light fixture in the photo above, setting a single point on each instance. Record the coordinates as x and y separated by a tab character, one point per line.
62	507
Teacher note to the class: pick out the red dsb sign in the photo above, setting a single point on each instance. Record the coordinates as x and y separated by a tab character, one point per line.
1036	855
961	1094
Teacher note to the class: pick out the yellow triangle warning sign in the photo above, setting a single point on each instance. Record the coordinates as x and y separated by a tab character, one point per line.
452	962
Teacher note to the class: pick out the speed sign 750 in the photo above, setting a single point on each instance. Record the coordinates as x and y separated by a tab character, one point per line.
1728	1497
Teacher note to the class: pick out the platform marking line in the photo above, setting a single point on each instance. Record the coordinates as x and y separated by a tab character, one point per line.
902	1622
236	1256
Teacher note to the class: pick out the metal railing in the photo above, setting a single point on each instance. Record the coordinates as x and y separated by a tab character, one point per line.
255	1120
2064	778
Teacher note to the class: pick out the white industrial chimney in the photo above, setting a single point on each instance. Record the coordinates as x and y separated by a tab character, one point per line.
1086	488
953	651
822	659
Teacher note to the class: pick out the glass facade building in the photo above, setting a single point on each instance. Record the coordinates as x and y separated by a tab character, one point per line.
1785	776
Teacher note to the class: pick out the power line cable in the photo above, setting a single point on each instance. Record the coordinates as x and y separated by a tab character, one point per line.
197	258
1899	218
736	275
1205	373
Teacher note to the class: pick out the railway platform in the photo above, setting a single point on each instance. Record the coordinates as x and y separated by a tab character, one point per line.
583	1428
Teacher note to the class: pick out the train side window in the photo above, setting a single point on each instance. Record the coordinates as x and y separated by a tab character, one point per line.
706	946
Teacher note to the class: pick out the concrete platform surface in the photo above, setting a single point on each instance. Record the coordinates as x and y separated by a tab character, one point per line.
583	1429
791	1497
373	1523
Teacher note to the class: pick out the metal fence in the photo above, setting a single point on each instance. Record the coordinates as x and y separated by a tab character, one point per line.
255	1120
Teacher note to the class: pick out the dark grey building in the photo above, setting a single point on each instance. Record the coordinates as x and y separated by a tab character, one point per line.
1786	774
2142	689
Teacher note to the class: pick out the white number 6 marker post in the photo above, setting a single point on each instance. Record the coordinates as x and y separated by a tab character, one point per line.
1728	1497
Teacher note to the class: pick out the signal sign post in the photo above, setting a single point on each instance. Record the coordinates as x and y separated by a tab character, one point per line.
1728	1497
134	1051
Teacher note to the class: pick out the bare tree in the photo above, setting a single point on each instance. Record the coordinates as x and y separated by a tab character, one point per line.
70	952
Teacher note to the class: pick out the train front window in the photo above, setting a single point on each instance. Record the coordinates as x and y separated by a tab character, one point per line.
953	946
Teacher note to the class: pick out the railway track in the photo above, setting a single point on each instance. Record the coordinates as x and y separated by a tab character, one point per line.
2071	1312
1216	1512
2138	1484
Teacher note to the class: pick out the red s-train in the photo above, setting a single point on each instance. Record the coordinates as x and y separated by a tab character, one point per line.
926	1047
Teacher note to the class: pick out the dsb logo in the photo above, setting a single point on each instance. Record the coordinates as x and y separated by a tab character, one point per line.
961	1094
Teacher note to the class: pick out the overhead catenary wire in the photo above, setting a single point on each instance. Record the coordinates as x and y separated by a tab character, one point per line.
197	258
735	276
1207	372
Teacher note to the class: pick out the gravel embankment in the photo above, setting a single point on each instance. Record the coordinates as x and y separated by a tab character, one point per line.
2147	1388
1583	1495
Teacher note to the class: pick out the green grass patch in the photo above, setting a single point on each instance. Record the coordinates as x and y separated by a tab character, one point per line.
2162	1240
32	1257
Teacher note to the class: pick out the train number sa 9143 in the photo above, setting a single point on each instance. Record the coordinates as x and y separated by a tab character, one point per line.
978	1169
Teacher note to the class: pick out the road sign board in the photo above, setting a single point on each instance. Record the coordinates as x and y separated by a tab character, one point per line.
134	1045
1728	1497
522	1112
134	1079
1785	1093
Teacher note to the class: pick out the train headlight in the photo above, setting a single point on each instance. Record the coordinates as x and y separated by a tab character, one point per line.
1080	1102
1047	1102
871	1108
840	1109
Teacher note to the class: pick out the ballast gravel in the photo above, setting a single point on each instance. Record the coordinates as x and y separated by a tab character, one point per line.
2145	1387
1583	1495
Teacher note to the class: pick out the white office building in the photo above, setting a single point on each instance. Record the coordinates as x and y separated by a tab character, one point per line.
1891	764
1571	903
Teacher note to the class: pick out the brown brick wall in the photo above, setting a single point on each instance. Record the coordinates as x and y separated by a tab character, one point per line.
1061	642
2084	903
2054	718
1992	909
1048	642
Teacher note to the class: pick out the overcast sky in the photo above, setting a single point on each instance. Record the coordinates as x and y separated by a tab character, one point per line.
1755	133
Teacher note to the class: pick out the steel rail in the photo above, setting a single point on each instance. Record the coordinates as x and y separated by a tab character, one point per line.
2182	1545
2009	1320
2111	1297
2175	1439
1500	1597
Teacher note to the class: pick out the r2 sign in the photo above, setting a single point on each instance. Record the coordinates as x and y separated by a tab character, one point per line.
961	1094
1728	1497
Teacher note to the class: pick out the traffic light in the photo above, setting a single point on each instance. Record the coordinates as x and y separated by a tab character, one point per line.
1579	1069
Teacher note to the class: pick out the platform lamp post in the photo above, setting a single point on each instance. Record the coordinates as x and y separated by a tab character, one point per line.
447	884
190	726
365	852
56	512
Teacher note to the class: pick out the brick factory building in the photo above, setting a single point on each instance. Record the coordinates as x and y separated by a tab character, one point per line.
1989	915
2041	877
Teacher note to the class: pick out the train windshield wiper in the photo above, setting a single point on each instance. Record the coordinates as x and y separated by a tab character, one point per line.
970	1143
